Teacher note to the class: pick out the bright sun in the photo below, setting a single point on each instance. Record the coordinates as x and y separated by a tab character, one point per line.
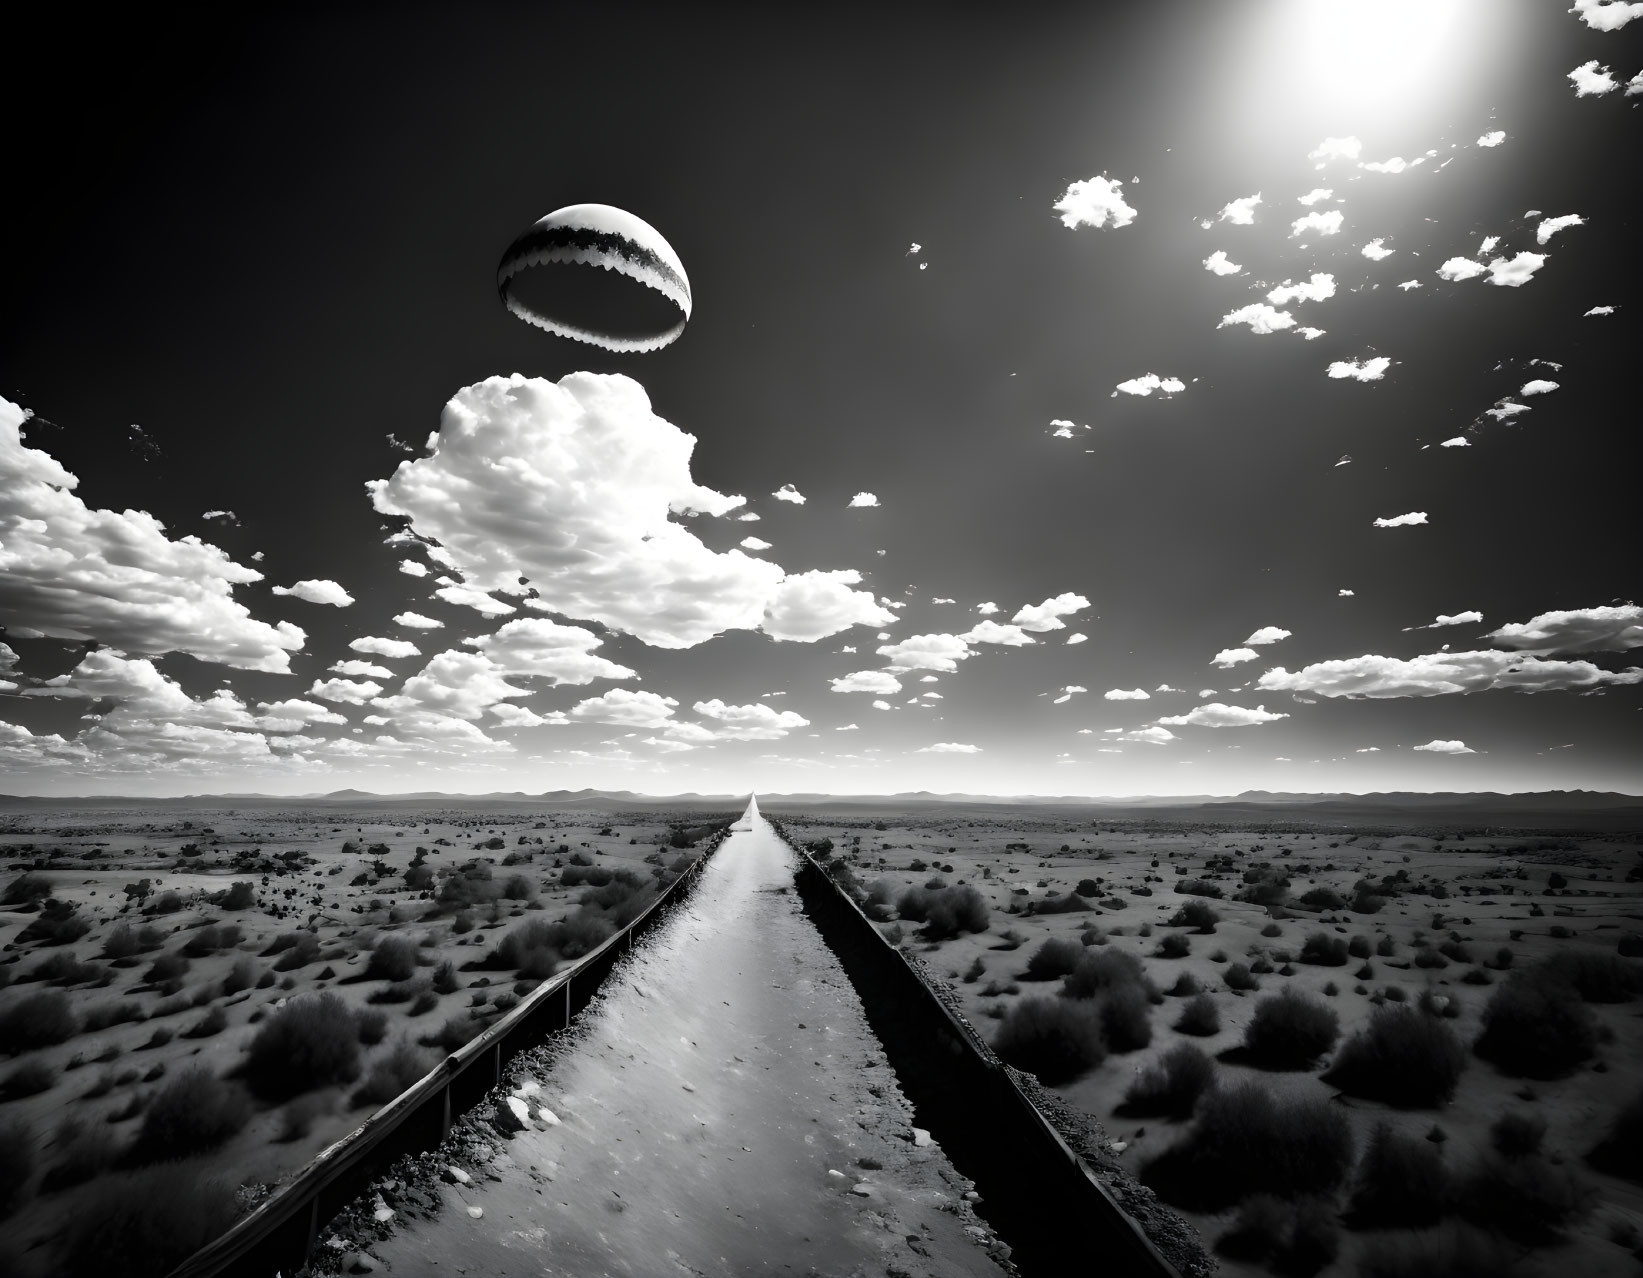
1370	50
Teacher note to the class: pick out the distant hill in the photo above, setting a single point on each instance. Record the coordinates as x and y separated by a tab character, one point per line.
1573	809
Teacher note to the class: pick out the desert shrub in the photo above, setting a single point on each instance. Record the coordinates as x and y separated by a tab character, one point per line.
37	1020
1359	947
1452	1251
1291	1238
1400	1058
160	1037
63	968
1198	887
101	1016
1402	1182
310	1042
1528	1199
453	1033
1620	1153
390	1074
1290	1030
1199	1017
1630	945
240	896
1430	960
1198	915
945	912
444	977
28	1079
1126	1018
1534	1028
213	1022
1596	975
1322	898
1324	950
575	875
1246	1141
80	1152
1386	947
370	1025
399	992
1055	957
1185	986
1239	977
165	903
211	938
426	1000
519	887
1174	946
121	942
57	923
1088	887
1054	1039
1067	904
242	976
1517	1135
1099	971
143	1224
1258	1230
25	890
295	949
192	1113
470	885
168	967
297	1118
1171	1085
1272	929
1455	951
393	958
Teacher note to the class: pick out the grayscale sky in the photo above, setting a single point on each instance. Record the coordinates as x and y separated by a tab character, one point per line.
1184	398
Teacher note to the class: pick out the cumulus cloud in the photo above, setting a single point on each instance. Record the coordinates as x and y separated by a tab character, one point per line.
987	609
1149	382
1063	429
1343	593
572	486
1450	619
1127	694
789	493
1047	615
467	597
756	722
1216	714
68	571
1461	268
1607	15
293	714
361	669
1458	441
1441	673
546	649
1314	195
1552	225
385	647
1611	628
1094	202
1598	310
626	708
317	591
1319	288
949	747
1323	223
1369	370
875	681
1634	86
811	605
1402	521
1260	317
1067	693
1075	637
413	568
1376	250
1493	138
348	691
1397	164
450	686
881	704
925	652
753	543
1220	264
1240	212
1437	746
1336	149
1409	284
1152	736
1517	271
991	632
416	621
1229	657
1591	80
1505	409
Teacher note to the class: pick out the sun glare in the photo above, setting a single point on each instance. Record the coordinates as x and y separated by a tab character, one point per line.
1370	50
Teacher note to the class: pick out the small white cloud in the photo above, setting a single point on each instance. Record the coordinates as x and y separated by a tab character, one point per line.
1540	386
1047	615
1152	736
1094	202
882	705
1314	195
1240	212
1552	225
1592	81
1634	86
317	591
1336	149
1488	245
1310	334
1461	268
413	568
1459	441
361	669
949	747
1219	263
1467	618
1323	223
789	493
848	727
1446	747
1344	593
1229	657
987	609
1376	250
1319	288
1505	409
1127	694
1493	138
1149	382
1260	317
385	647
876	681
1516	272
1164	687
1269	634
861	500
1607	15
747	517
416	621
992	632
1397	164
1409	284
1216	714
1075	637
940	599
1063	429
1367	750
753	543
1609	628
1402	521
1370	370
345	690
1599	310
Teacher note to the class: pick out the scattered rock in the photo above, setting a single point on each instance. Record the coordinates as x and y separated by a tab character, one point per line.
921	1138
476	1212
861	1189
457	1176
357	1262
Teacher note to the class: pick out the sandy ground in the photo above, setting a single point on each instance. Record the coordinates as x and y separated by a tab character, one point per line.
1490	888
303	867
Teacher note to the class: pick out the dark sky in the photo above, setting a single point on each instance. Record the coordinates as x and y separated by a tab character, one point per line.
271	245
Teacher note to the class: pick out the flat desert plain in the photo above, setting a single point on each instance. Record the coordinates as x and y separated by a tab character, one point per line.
1386	1052
195	1003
